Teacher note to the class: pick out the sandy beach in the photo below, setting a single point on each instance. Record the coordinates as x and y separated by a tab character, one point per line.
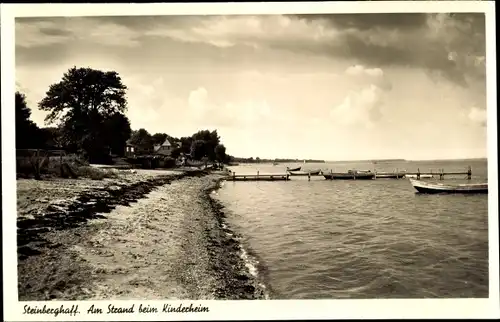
145	235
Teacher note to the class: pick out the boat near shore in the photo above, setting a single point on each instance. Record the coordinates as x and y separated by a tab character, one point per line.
350	175
434	187
390	175
294	169
304	173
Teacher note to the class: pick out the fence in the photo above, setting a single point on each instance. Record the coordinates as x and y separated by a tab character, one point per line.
38	161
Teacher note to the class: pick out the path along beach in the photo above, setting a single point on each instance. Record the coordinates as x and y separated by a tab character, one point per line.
147	235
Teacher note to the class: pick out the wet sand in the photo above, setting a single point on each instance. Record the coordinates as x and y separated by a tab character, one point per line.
150	235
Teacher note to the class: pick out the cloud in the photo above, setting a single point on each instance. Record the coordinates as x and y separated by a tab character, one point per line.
478	115
229	114
413	40
359	70
373	76
449	46
368	21
359	107
42	32
363	105
38	32
251	31
198	100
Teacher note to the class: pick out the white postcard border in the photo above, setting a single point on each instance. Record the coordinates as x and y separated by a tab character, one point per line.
248	310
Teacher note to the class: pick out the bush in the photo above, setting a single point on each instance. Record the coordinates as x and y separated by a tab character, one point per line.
70	166
94	173
169	162
32	166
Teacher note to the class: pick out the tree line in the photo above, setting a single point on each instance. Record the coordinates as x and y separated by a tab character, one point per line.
86	115
259	160
200	145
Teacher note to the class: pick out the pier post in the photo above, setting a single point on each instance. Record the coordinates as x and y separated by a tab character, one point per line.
418	174
257	174
234	175
287	177
441	175
469	173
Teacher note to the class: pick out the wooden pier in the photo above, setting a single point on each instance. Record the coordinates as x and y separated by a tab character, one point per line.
441	173
397	175
258	177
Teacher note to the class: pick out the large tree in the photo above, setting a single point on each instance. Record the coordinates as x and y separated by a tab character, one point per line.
142	140
159	138
220	153
51	136
198	149
118	129
84	102
211	140
185	144
27	132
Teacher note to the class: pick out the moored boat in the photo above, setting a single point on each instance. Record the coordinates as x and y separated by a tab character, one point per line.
294	169
304	173
350	175
434	187
391	175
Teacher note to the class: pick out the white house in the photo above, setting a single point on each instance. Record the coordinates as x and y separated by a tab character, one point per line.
164	149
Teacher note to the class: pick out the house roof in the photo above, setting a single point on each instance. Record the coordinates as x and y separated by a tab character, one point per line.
166	143
129	142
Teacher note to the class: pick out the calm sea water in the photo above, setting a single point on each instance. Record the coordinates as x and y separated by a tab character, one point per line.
362	239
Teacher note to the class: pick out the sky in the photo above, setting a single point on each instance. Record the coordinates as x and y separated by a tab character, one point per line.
331	87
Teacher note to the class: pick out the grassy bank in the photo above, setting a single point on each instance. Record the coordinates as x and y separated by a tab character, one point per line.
48	167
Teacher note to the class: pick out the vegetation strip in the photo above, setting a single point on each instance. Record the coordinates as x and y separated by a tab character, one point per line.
235	282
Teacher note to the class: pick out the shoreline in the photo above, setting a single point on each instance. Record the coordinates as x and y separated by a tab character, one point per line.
238	280
64	250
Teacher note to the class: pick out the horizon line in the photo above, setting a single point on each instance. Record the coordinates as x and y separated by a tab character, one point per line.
365	160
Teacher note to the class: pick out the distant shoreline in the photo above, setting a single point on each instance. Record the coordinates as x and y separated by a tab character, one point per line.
361	161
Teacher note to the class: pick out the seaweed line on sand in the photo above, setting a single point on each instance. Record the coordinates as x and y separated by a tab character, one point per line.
89	205
235	279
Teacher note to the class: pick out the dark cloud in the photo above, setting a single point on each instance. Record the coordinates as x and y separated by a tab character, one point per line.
354	47
46	54
33	20
364	21
143	23
417	40
49	31
367	39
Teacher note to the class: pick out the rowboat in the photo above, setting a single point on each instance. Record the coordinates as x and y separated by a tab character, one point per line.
434	187
304	173
294	169
391	175
350	175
